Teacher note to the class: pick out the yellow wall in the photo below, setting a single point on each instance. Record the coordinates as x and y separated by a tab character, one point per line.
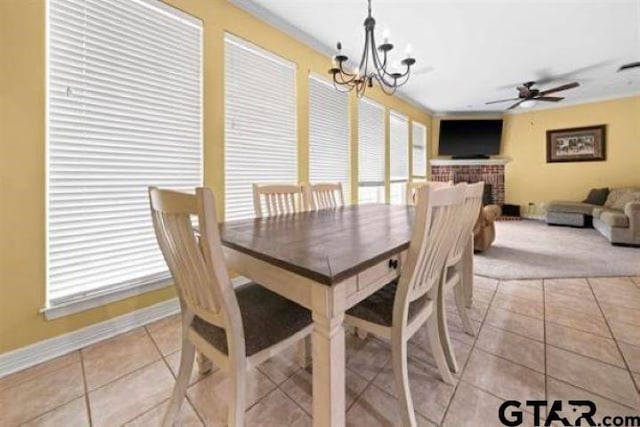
529	178
22	151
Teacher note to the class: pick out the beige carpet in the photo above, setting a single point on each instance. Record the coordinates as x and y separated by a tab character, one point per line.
532	250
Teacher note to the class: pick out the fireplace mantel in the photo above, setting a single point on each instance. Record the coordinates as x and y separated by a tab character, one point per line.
470	162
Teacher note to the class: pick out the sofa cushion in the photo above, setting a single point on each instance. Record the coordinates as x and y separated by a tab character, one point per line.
571	207
616	193
597	212
614	219
597	196
625	198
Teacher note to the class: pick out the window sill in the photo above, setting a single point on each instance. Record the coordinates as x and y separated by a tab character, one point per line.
69	308
93	301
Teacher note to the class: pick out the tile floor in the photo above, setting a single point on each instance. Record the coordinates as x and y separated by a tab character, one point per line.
552	339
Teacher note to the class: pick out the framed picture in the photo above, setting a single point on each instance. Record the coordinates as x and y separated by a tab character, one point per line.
585	144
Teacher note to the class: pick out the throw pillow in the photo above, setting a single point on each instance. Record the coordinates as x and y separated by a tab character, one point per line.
597	196
616	193
625	198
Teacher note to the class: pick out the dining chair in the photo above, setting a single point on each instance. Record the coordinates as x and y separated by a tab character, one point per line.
414	185
451	277
398	310
325	195
236	329
279	199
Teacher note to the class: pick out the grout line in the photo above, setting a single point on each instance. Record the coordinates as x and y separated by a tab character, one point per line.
86	387
518	334
626	405
473	346
25	380
489	392
624	360
370	382
84	395
589	357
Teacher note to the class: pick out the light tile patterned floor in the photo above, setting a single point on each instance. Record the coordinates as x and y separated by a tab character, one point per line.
552	339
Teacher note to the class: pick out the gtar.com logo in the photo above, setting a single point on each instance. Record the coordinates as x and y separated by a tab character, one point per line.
545	413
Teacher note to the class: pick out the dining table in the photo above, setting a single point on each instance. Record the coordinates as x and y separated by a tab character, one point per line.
327	261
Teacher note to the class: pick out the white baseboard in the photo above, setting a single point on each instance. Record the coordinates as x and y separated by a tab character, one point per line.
48	349
25	357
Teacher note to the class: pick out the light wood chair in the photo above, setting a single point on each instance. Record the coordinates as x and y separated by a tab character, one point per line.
325	195
279	199
452	274
399	309
236	329
414	185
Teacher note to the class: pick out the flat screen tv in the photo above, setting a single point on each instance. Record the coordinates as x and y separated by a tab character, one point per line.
470	138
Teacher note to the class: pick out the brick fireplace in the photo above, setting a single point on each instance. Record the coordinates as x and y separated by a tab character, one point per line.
491	171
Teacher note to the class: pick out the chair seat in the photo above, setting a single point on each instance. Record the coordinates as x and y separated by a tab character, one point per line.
267	319
378	308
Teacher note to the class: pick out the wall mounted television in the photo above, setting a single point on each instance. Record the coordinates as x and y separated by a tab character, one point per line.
470	138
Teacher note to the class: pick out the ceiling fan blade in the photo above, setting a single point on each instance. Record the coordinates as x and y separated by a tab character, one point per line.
549	98
559	88
629	66
501	100
516	104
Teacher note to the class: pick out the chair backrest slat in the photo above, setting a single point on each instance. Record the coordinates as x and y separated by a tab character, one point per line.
194	256
413	186
437	226
326	195
279	199
470	211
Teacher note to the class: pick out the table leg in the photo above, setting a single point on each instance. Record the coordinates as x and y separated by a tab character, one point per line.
467	272
328	356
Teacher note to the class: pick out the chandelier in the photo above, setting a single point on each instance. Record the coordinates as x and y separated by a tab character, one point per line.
372	66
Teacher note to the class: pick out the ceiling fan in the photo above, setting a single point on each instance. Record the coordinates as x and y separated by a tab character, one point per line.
526	92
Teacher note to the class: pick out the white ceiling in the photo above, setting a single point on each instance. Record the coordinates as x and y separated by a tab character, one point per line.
475	51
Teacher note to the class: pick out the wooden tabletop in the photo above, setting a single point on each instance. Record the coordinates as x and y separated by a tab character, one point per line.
327	246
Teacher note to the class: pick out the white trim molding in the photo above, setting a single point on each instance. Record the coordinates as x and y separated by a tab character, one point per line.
25	357
42	351
469	162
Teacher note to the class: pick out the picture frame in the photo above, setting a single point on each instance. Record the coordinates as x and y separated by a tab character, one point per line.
581	144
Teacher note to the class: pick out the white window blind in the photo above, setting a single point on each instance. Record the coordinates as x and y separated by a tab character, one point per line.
124	113
329	159
419	150
260	123
399	157
371	169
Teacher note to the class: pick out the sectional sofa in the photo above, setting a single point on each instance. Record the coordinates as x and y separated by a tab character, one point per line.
618	219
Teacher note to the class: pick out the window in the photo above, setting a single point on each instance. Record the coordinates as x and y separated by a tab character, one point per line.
124	112
419	151
399	157
371	170
329	135
260	123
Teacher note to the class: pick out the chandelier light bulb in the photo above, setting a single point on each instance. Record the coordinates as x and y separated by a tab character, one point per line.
385	35
409	49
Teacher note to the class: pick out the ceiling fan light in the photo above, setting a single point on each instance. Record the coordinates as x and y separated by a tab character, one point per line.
528	103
